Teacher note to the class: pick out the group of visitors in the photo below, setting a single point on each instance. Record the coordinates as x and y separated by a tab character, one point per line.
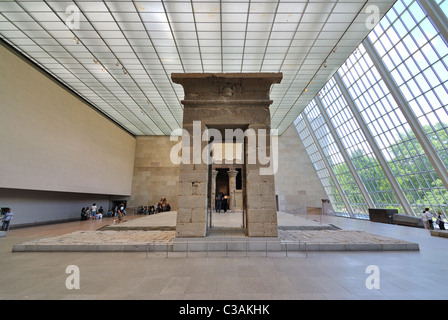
92	212
221	202
161	206
146	210
428	222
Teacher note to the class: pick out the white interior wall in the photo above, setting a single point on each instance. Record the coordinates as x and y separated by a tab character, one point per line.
52	140
57	154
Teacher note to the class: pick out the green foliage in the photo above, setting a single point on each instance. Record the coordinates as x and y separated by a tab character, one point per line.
411	167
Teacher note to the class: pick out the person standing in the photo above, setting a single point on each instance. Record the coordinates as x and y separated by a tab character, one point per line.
219	201
94	209
7	220
427	219
121	212
225	202
440	221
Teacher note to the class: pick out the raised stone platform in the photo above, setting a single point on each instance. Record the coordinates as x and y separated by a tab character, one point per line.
227	244
164	221
439	233
2	234
99	241
342	240
141	234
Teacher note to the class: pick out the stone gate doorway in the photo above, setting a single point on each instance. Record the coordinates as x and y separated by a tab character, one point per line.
238	104
228	212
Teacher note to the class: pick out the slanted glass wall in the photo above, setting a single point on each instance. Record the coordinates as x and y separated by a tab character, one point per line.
407	45
335	159
319	164
358	149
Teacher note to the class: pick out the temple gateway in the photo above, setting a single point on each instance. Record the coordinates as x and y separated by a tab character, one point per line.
222	110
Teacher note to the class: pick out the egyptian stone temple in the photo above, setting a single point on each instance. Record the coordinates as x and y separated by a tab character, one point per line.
235	109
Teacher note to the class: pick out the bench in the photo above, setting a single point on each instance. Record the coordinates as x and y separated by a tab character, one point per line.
409	221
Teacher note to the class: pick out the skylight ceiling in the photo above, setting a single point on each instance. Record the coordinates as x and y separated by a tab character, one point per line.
119	55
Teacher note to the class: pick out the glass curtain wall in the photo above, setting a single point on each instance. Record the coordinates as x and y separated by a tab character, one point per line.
357	147
321	169
335	159
443	5
415	54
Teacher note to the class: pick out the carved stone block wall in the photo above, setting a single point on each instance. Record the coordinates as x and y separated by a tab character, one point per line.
226	101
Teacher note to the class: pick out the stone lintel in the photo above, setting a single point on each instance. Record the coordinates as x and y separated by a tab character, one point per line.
275	76
226	103
227	89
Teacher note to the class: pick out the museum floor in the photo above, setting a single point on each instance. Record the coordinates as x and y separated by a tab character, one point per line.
318	275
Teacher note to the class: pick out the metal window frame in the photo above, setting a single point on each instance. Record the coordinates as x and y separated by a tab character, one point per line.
413	122
336	101
375	148
344	154
327	164
437	17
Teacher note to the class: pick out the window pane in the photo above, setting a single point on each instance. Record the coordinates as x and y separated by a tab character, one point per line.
358	148
397	142
425	72
322	171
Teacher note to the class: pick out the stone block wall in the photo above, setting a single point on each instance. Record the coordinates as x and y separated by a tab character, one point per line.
296	182
155	175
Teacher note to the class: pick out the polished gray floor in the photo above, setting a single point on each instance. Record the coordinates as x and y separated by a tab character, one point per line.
318	275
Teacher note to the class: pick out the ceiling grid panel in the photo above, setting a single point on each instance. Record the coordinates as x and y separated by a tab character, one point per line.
139	43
